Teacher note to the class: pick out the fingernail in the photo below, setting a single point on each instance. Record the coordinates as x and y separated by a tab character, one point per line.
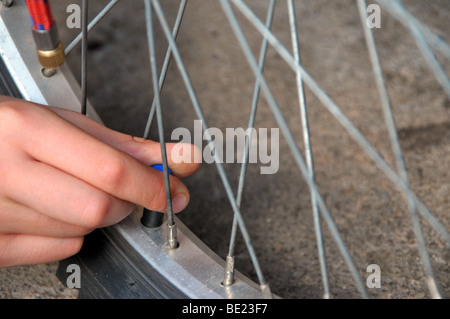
179	203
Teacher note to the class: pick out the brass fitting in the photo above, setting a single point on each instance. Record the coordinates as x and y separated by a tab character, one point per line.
49	48
52	58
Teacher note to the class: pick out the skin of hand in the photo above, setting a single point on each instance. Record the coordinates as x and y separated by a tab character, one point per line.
63	175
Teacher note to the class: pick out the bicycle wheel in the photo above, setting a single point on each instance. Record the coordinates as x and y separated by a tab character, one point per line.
358	224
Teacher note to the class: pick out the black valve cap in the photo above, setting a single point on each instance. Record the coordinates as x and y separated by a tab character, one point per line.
152	219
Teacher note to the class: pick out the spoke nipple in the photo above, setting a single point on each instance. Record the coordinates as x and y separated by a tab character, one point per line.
172	241
265	289
229	272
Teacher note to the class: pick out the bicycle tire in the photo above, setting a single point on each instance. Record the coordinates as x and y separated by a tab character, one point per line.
114	251
114	255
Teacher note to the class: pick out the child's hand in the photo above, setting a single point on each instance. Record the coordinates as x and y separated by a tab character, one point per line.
63	175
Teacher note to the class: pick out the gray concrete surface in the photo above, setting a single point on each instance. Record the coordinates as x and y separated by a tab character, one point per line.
368	210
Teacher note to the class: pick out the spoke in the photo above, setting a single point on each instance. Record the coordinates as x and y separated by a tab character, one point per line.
165	66
229	270
292	144
433	39
392	130
342	119
398	11
264	287
84	44
308	150
172	240
92	24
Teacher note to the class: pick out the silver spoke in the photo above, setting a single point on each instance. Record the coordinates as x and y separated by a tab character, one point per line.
293	146
172	238
229	270
432	38
92	24
165	66
392	130
264	286
84	44
342	119
195	271
398	11
308	150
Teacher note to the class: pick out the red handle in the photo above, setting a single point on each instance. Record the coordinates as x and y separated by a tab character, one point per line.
40	13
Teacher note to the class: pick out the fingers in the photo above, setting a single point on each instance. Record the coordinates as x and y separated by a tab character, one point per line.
149	152
63	175
63	197
89	159
146	151
19	219
23	249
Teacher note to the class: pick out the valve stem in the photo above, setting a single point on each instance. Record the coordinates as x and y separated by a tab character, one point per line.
49	48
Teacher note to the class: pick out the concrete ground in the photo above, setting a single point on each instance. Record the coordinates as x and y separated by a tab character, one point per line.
369	212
